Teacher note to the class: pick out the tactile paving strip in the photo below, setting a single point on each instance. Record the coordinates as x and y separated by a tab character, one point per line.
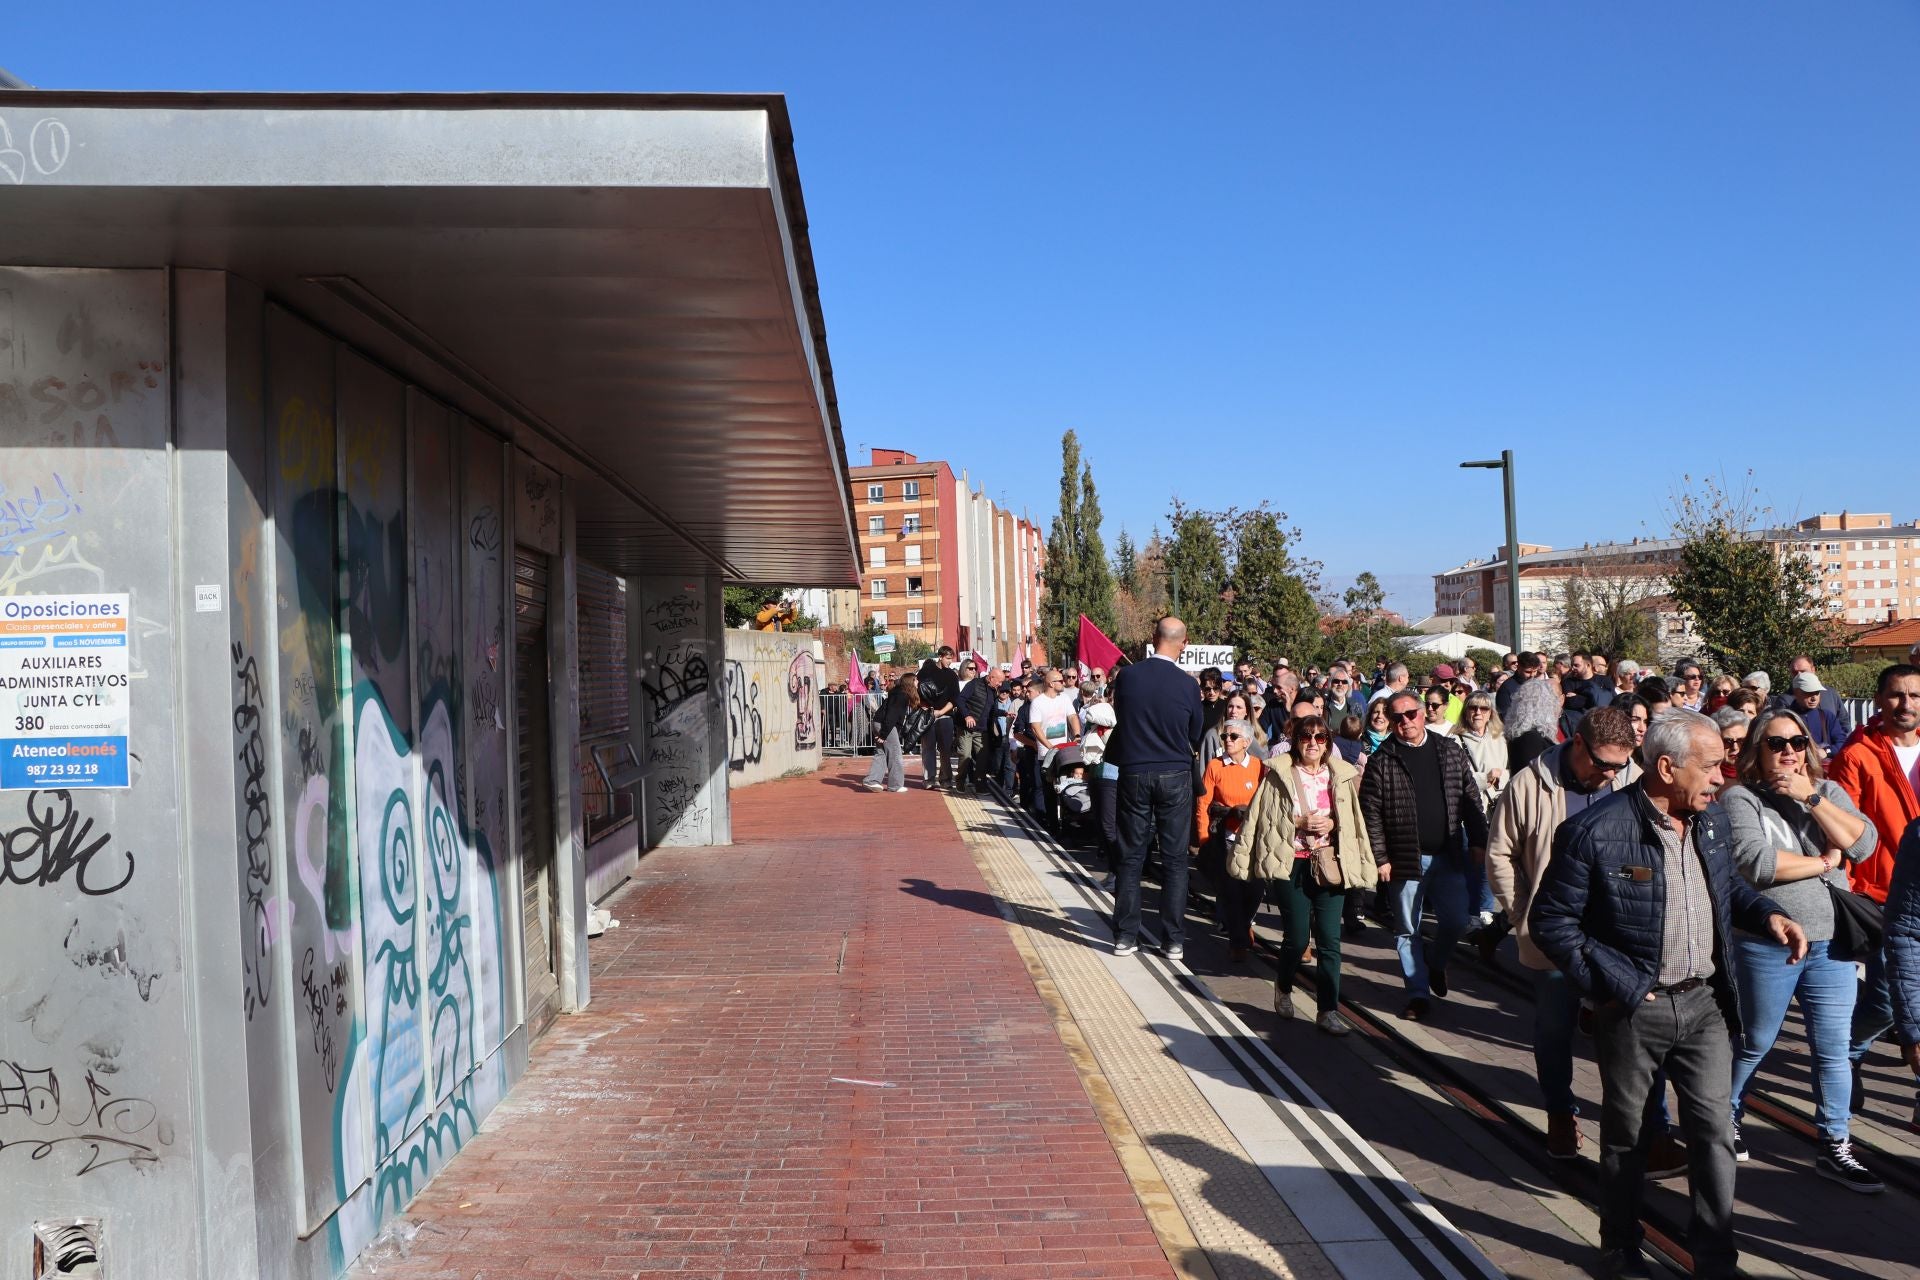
1236	1216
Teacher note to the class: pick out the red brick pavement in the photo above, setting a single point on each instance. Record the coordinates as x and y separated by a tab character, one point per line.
686	1124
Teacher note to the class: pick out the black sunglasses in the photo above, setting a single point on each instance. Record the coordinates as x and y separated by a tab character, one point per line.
1315	736
1411	713
1233	737
1798	742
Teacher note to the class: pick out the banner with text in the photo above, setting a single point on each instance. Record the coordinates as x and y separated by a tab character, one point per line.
1197	657
64	706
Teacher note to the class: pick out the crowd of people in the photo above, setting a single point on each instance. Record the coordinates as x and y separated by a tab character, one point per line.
1678	857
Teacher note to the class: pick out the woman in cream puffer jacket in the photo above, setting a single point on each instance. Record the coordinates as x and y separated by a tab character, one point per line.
1267	851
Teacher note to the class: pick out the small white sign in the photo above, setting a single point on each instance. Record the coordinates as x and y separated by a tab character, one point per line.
206	598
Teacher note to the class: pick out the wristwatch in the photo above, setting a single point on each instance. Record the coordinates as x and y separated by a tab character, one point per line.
1814	801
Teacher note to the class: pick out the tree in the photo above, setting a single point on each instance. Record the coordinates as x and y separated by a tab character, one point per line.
1364	600
1126	564
1610	615
740	605
1481	625
1137	607
1272	612
1079	579
1753	606
1196	572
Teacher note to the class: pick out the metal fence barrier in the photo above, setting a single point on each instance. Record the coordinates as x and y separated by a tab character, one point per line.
846	728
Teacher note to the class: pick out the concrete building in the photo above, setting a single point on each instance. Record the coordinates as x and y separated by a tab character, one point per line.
944	564
369	470
1868	570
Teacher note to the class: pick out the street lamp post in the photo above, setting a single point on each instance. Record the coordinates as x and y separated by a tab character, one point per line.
1504	465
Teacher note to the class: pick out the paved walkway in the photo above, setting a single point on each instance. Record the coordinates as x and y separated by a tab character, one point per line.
817	1050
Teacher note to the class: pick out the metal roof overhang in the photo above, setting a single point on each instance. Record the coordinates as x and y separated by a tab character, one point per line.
623	283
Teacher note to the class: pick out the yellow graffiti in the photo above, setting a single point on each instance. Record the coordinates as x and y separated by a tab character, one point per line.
306	443
63	560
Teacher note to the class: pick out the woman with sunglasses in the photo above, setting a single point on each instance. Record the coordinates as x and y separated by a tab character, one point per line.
1482	734
1238	707
1219	819
1734	727
1794	831
1310	845
1305	838
1719	689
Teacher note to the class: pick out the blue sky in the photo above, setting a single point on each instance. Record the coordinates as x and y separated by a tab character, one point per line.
1316	254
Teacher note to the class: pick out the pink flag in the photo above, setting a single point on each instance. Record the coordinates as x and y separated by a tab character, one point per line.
1095	649
856	685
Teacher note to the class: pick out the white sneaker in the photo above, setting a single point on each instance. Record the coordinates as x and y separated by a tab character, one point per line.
871	785
898	790
1173	951
1125	948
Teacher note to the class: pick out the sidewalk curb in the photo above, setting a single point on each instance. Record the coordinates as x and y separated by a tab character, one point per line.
1184	1254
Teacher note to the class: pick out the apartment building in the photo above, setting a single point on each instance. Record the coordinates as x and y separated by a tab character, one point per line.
1868	569
942	562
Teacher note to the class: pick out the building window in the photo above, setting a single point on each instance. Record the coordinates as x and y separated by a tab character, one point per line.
910	524
876	525
879	588
876	557
914	587
876	493
913	554
910	489
915	617
880	618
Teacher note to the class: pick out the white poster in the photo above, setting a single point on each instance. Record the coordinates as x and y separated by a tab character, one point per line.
1198	657
64	710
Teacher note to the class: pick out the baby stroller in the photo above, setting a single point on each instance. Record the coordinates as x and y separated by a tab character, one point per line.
1069	801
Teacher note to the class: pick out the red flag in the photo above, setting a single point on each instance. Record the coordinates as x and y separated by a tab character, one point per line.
855	684
1095	649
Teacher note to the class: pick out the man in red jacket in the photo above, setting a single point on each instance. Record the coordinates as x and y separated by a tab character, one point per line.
1879	769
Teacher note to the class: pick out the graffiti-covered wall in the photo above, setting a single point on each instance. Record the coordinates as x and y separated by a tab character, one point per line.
683	713
96	1114
772	685
371	765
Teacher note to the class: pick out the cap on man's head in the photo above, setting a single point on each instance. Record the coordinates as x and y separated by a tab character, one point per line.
1807	682
1282	662
1443	672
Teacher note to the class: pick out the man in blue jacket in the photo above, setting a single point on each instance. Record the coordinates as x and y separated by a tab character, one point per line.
1158	726
1637	908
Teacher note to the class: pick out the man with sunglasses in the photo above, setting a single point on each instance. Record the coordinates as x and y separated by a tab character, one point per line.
1638	908
1418	798
1561	783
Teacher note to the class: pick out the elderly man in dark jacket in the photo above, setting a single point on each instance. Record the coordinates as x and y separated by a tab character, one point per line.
1418	797
1638	909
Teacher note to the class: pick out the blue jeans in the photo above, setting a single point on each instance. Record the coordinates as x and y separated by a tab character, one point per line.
1480	899
1825	987
1153	804
1442	882
1556	1012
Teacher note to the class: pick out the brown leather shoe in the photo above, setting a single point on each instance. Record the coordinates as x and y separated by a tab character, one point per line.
1563	1136
1665	1157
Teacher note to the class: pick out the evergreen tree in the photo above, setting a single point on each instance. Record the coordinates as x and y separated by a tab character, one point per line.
1364	600
1197	580
1126	564
1078	577
1273	613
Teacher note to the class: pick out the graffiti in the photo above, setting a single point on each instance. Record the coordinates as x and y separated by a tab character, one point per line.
312	759
680	674
483	533
257	823
30	517
806	702
677	792
540	500
110	1128
744	738
54	841
112	961
486	702
49	144
674	615
326	997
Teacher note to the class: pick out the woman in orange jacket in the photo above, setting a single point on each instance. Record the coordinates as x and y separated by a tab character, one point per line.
1220	810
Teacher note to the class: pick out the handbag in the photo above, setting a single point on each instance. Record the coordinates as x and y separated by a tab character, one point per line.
1326	868
1859	923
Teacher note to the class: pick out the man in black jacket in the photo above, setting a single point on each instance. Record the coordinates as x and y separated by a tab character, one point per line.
1418	797
939	690
1638	909
1158	727
973	716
